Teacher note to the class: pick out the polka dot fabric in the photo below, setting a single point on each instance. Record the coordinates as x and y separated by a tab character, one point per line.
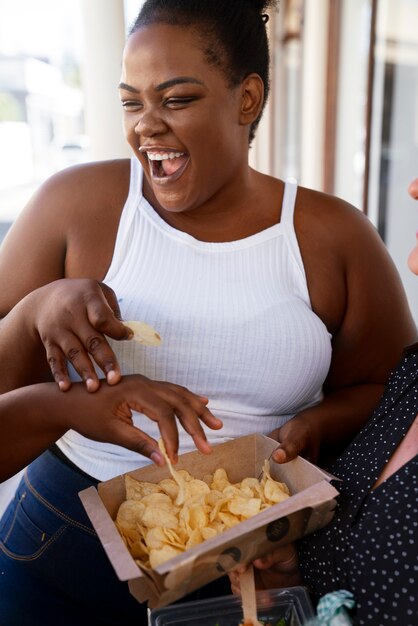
371	546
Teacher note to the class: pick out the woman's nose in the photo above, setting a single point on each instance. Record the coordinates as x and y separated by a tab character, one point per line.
150	124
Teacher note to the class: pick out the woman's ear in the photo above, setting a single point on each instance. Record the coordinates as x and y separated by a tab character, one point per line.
252	99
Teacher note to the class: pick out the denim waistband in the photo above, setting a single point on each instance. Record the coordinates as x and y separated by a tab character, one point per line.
60	454
58	485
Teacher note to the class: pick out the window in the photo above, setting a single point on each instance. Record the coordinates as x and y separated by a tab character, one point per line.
394	132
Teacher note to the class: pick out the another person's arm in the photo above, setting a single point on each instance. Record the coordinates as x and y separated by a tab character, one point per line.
66	231
35	416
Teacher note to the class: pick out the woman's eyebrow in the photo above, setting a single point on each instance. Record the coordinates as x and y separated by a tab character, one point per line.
168	83
126	87
178	81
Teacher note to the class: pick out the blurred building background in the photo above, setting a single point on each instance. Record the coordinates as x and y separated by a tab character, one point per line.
342	117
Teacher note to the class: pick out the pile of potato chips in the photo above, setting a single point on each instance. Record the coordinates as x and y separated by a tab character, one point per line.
158	521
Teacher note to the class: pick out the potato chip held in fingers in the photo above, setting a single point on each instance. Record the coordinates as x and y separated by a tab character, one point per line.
144	334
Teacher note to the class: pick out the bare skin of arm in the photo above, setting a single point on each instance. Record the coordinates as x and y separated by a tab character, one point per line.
356	290
35	416
40	340
70	228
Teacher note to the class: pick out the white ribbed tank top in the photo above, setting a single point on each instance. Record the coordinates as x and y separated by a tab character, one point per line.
235	319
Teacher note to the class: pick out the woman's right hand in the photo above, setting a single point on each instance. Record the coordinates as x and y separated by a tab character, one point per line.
71	317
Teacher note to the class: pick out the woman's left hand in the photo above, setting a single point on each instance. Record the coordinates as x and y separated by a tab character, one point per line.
297	437
277	569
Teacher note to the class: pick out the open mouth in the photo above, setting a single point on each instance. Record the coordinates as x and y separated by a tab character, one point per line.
167	164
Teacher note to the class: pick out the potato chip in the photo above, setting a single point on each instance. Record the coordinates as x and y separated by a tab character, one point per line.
228	519
160	521
273	490
173	538
195	539
155	538
177	476
198	517
129	512
143	333
170	487
161	500
251	486
197	488
213	497
244	507
156	557
154	516
139	550
136	490
220	480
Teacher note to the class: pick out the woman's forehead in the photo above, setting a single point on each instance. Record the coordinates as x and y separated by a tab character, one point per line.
174	50
178	38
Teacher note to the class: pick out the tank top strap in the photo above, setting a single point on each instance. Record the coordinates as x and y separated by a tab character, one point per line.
288	226
289	201
127	217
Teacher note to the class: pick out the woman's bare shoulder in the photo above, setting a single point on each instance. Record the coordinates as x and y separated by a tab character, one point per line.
69	227
333	224
95	184
313	204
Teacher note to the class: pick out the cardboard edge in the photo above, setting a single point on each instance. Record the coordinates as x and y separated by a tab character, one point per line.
118	554
323	493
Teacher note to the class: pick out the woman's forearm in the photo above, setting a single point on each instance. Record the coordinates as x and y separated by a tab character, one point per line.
29	424
322	432
22	353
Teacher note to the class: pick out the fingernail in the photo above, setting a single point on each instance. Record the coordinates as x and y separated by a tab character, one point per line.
111	376
129	332
157	458
91	384
62	385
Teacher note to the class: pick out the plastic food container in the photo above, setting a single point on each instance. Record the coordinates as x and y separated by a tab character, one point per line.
276	607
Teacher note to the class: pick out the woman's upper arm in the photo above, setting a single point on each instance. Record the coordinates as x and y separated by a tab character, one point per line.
33	252
377	322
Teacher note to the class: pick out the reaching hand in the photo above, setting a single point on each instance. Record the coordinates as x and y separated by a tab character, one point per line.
72	317
107	415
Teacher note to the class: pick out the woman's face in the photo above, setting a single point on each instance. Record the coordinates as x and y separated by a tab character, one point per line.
181	118
413	256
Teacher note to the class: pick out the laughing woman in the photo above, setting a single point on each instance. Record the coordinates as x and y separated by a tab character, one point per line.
268	297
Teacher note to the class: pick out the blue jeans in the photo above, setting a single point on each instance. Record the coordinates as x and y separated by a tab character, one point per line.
53	569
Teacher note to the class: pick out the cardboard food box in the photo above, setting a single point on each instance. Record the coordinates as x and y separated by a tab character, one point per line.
310	507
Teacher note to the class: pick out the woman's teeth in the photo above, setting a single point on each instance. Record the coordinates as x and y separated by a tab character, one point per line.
162	156
166	164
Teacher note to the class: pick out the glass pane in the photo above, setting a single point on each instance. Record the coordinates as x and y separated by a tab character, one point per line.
41	100
352	100
394	156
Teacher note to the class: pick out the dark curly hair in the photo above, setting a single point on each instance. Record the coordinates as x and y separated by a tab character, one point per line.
232	32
